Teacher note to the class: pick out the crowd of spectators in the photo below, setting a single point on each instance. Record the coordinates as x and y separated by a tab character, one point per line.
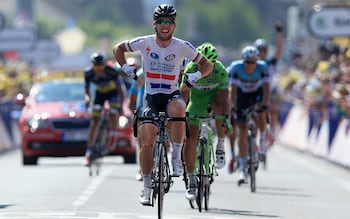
322	84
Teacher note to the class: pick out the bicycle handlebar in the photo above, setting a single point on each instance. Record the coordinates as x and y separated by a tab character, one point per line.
225	117
216	117
161	117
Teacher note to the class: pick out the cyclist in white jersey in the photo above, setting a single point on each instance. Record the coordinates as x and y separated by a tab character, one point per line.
162	56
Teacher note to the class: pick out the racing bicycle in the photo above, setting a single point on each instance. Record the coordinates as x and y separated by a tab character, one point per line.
253	160
100	149
206	160
160	176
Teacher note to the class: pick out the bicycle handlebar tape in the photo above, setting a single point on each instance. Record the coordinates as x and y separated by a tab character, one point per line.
135	77
135	123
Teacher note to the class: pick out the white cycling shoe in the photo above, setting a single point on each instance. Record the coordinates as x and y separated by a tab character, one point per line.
220	159
191	193
242	178
178	169
145	197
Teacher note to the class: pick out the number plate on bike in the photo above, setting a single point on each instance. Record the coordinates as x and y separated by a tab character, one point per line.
75	136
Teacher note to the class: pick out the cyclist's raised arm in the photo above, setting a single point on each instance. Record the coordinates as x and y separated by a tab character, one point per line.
119	51
206	66
280	40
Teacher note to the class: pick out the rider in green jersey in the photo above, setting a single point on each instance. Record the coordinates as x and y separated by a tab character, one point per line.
211	90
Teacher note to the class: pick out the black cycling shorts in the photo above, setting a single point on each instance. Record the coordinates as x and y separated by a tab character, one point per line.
245	100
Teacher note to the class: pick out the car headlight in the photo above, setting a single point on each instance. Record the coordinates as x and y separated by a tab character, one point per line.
123	121
38	121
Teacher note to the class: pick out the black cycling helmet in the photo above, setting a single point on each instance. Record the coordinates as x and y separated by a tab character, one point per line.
164	10
97	59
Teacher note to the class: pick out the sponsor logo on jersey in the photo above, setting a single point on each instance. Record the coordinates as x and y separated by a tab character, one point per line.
170	57
154	55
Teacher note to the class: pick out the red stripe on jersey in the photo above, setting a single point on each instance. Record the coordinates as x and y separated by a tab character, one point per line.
168	77
163	76
152	75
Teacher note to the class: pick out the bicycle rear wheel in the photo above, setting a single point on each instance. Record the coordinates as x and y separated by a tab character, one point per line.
99	148
96	163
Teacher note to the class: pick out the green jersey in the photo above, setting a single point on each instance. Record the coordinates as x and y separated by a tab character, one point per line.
217	79
205	89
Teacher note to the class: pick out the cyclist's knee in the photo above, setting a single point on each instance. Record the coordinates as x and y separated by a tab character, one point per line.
94	120
176	107
145	146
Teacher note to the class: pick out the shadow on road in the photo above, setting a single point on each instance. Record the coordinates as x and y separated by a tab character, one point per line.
4	206
280	191
240	212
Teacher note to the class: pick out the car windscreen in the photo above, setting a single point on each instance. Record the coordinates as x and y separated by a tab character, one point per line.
60	91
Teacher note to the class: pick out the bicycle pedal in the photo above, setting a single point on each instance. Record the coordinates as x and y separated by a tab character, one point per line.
148	204
240	182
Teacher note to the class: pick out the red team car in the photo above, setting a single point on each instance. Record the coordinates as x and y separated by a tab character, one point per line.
54	123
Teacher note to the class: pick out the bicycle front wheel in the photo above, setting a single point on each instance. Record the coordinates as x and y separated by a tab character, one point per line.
99	148
200	193
206	196
161	178
252	170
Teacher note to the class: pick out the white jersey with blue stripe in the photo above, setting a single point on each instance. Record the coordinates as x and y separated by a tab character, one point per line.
162	66
248	82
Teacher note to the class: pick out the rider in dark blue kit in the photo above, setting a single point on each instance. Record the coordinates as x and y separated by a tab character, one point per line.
109	87
249	81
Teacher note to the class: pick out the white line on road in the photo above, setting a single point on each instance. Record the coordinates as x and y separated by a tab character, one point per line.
91	188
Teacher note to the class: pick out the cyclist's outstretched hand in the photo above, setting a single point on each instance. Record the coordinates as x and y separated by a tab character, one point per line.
129	70
87	102
192	78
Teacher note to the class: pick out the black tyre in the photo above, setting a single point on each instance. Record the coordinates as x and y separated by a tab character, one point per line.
129	158
200	190
29	160
160	188
206	196
252	164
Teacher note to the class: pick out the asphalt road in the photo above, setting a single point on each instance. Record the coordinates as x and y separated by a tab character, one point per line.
294	185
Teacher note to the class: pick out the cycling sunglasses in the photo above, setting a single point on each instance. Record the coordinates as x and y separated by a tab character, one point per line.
165	21
248	62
